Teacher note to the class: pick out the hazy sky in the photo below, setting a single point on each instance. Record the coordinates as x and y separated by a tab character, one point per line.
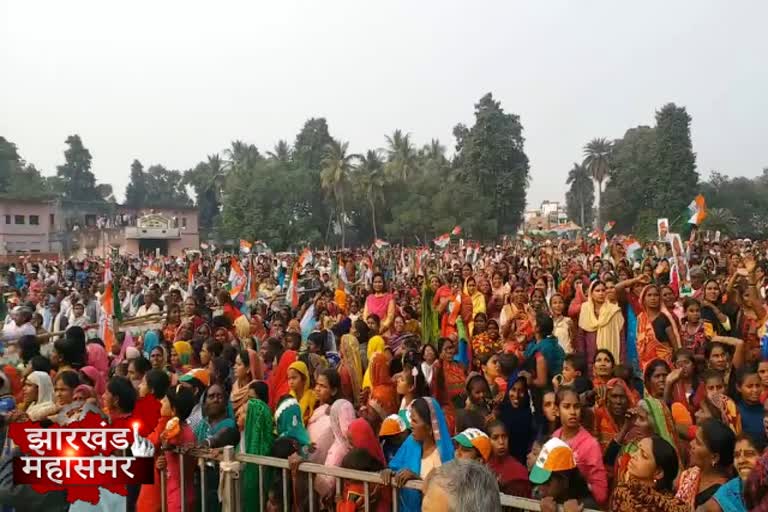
170	81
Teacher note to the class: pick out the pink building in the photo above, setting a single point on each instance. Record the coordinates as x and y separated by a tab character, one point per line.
27	226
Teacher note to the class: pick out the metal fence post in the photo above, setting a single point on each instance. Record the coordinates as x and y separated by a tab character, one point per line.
231	472
203	486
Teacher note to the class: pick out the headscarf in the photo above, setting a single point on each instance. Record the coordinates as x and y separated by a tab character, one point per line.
362	436
127	343
648	346
608	324
44	401
288	421
97	377
409	455
350	356
258	440
342	414
308	398
278	379
729	412
97	357
184	351
518	422
375	346
151	340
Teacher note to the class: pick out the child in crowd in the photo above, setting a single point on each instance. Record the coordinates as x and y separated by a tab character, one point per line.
510	473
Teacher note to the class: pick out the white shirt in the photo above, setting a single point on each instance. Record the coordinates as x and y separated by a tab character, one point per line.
153	309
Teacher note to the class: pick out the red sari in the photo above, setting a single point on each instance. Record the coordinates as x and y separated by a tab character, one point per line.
278	379
454	378
383	390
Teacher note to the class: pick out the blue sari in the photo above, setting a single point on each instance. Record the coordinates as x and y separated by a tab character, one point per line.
730	496
409	456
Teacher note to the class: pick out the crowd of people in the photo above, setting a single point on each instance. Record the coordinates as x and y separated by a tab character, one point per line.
577	376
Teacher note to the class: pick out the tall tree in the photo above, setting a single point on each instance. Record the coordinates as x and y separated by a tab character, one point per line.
9	160
675	165
207	179
241	154
79	181
136	191
580	197
370	174
281	152
335	178
596	160
311	143
401	155
492	157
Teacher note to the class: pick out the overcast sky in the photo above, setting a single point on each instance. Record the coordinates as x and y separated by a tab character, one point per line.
172	81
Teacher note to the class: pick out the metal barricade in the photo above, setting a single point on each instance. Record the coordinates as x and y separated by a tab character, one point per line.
230	463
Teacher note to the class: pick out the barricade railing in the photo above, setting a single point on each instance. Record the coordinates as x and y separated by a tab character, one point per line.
230	469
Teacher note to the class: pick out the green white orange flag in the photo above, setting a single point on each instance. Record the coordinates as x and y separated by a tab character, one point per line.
106	321
698	210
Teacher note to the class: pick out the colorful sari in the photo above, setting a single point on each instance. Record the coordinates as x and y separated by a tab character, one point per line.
453	383
606	428
430	325
351	369
607	326
362	437
634	496
278	379
342	415
482	344
648	346
308	399
258	439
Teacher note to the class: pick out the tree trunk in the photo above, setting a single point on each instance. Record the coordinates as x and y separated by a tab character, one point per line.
343	238
599	201
582	213
373	221
328	230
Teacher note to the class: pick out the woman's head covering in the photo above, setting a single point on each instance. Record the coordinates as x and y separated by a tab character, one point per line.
350	353
97	357
627	391
518	421
127	343
729	412
87	391
96	377
184	351
376	345
289	423
44	387
301	367
151	340
361	435
342	414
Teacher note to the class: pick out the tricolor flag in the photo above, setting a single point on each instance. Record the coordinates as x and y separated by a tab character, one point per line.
245	246
237	279
456	231
253	282
292	294
602	249
194	268
379	243
698	210
609	226
442	241
110	306
633	248
305	258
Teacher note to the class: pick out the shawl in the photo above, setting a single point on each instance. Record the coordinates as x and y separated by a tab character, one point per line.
375	346
320	433
151	340
730	496
633	496
648	347
350	357
308	398
278	379
729	411
409	455
97	357
688	486
43	405
239	397
378	306
258	437
607	324
288	422
97	377
342	415
430	331
184	351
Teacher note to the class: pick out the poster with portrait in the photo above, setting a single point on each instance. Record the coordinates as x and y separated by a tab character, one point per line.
662	227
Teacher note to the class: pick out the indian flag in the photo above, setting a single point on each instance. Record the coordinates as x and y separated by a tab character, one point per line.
456	231
633	248
609	226
379	243
698	210
305	258
237	279
110	306
245	246
442	241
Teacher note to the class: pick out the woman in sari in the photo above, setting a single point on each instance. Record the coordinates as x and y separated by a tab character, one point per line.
377	379
478	301
657	334
342	414
380	303
487	342
448	381
711	460
611	417
181	357
428	446
450	309
600	324
362	438
497	296
258	438
351	369
300	384
275	354
97	357
517	322
730	497
243	373
327	390
192	313
172	323
38	397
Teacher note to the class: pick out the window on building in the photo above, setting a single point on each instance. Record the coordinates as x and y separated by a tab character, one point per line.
184	222
52	219
7	219
34	220
18	219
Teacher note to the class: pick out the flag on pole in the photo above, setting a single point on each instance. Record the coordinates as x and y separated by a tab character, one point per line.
305	258
442	241
379	243
253	283
106	320
245	246
237	279
633	248
698	210
609	226
194	268
292	294
456	231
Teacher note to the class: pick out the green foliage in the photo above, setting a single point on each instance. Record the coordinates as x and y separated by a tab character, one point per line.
580	197
136	191
18	179
737	206
675	166
79	181
156	187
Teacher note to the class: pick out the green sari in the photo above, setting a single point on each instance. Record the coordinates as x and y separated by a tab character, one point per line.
430	324
258	439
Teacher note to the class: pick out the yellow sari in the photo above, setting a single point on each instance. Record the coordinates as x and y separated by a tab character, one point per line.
308	399
375	346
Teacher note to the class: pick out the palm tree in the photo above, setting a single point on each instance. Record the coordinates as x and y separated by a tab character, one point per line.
370	172
401	155
241	155
281	152
582	189
335	174
720	219
596	160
